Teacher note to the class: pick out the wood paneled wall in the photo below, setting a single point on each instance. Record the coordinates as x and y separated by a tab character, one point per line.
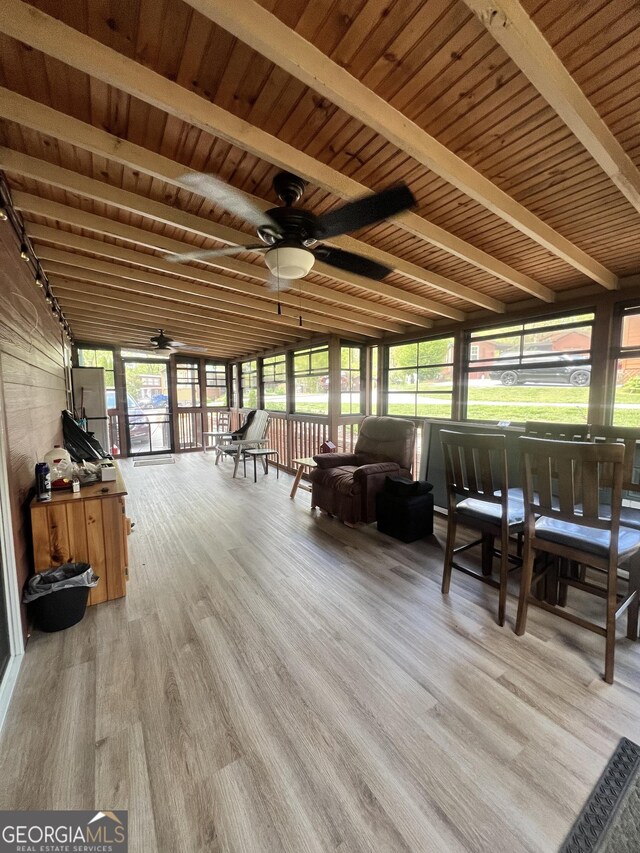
32	385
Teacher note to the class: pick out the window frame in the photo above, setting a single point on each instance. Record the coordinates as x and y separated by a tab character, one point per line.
220	367
309	351
243	387
620	352
279	360
360	372
578	318
417	367
184	363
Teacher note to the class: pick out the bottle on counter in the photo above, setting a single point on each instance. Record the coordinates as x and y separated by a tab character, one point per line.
43	482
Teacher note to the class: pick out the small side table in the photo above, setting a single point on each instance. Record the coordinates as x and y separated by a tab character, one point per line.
217	436
305	462
264	453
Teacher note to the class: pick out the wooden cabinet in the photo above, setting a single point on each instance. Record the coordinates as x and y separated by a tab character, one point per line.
89	526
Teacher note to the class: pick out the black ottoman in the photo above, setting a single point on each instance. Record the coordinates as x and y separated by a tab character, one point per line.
405	514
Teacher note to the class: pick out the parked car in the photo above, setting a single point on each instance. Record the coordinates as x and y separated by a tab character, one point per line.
570	372
159	401
344	381
138	421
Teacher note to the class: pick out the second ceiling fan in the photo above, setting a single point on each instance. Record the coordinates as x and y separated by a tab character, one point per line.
290	235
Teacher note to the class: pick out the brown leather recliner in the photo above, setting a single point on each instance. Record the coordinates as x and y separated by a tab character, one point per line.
346	484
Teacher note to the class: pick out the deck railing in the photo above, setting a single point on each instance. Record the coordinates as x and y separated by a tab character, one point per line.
293	436
189	429
297	436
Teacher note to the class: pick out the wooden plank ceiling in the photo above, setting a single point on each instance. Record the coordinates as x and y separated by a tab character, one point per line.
526	184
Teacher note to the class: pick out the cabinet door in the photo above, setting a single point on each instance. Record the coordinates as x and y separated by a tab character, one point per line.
113	521
125	538
95	548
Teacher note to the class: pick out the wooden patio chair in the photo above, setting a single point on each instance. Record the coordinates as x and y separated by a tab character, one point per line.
566	518
253	437
476	471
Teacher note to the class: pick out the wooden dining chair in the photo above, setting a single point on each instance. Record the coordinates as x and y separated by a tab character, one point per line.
566	518
629	437
559	432
476	471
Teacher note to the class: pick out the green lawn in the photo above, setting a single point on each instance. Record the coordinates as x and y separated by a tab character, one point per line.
524	403
308	407
561	403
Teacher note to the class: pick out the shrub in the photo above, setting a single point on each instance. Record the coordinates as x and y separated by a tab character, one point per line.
632	385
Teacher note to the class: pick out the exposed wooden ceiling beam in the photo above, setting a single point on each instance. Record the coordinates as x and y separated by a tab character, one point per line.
140	236
39	170
159	313
232	286
97	336
139	280
129	324
129	321
32	114
133	331
78	306
57	272
517	34
266	34
68	45
73	266
100	334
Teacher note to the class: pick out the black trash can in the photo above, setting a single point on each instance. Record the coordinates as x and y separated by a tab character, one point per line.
57	598
404	509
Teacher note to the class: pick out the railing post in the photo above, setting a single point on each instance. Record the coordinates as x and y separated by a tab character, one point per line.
289	439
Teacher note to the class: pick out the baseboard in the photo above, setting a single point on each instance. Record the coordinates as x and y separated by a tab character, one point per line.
8	685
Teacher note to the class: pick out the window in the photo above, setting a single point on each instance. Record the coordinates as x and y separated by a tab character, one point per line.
626	408
91	357
311	380
249	385
539	370
188	384
350	380
216	384
420	379
274	382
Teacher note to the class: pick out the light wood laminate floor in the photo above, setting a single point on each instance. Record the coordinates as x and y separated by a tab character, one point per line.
275	681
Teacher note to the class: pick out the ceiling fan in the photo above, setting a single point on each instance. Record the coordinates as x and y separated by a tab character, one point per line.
290	234
165	343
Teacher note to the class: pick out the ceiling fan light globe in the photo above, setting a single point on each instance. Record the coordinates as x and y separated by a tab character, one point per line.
289	261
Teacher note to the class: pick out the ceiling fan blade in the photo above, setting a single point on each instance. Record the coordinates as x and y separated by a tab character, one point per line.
233	200
203	254
190	347
365	211
351	262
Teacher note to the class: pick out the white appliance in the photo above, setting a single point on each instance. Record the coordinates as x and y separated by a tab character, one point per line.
90	400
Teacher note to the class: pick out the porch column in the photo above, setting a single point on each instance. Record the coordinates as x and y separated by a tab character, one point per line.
335	388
